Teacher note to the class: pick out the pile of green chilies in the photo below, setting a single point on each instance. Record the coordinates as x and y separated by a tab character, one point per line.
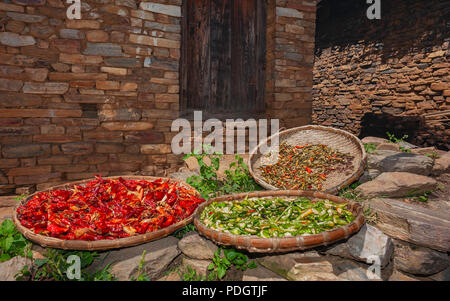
304	167
268	218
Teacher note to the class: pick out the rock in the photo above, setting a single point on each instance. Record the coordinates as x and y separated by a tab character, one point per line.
125	262
399	276
45	88
441	164
10	268
412	223
122	62
320	270
197	247
261	274
442	276
423	151
397	184
200	266
170	10
373	140
7	201
352	271
25	17
406	145
388	146
173	276
419	260
386	160
282	264
369	175
288	12
73	34
184	175
104	49
16	40
368	242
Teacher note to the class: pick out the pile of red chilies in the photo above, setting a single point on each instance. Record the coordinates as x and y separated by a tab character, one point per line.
108	209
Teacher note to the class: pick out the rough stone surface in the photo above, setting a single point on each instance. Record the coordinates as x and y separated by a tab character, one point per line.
397	184
10	268
399	276
200	266
412	223
388	146
125	262
389	161
369	175
197	247
442	164
419	260
16	40
368	242
261	274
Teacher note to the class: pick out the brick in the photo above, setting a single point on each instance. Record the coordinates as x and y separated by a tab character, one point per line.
122	62
288	12
71	168
114	71
45	88
162	27
29	171
96	36
10	85
36	74
109	148
15	40
79	59
27	18
118	166
77	148
103	49
103	136
40	113
141	14
170	10
83	24
11	7
151	41
116	10
127	126
67	46
107	85
155	149
22	130
166	97
439	86
77	76
128	86
41	31
56	138
144	137
73	34
74	98
25	150
37	179
55	160
9	163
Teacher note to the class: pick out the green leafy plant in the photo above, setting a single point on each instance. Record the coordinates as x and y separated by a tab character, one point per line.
191	275
370	147
350	192
393	139
140	275
12	242
237	177
432	155
421	197
220	264
54	267
180	233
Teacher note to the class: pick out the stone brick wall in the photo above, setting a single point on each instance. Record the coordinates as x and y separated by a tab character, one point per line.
98	95
89	96
371	76
290	60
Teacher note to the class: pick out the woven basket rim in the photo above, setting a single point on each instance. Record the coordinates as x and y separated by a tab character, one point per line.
276	241
333	190
103	244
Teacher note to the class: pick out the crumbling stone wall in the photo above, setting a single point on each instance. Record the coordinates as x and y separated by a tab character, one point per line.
98	95
376	75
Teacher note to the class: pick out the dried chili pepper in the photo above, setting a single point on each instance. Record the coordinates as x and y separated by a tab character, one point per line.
305	166
108	209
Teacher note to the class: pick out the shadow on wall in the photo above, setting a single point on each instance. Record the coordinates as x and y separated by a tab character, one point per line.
405	25
379	124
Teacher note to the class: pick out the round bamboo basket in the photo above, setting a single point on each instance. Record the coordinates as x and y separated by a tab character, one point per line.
104	244
340	140
257	244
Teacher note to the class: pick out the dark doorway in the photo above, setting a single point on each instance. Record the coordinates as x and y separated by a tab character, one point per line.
223	57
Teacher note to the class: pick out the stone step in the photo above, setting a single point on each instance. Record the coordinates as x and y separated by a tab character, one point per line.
412	223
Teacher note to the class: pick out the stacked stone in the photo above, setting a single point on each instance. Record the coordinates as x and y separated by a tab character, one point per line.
290	60
90	96
406	74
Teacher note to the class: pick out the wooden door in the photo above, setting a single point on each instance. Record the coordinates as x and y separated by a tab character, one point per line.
223	56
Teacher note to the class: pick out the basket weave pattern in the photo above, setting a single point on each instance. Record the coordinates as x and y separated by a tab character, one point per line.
273	245
314	134
104	244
